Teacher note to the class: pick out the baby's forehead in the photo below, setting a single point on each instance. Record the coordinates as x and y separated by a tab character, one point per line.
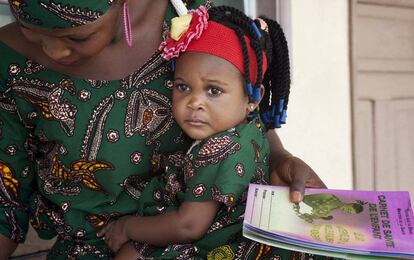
197	59
205	64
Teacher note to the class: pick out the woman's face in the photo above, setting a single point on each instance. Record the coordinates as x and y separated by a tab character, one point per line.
208	95
70	46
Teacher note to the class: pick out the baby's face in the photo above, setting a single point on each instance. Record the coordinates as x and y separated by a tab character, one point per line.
208	95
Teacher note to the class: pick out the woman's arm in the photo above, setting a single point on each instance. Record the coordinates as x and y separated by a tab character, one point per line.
288	170
7	247
190	222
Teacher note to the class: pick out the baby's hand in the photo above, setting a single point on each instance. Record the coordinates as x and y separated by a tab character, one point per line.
115	234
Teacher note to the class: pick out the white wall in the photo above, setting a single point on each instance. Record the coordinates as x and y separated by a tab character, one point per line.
318	128
5	16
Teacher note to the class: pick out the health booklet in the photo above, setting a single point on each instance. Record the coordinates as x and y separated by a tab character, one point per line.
347	224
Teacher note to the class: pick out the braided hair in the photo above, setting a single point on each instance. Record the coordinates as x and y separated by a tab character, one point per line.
276	80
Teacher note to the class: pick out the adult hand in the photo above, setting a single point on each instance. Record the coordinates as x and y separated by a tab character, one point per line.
288	170
115	233
293	172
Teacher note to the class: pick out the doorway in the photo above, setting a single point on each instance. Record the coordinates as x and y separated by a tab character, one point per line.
383	94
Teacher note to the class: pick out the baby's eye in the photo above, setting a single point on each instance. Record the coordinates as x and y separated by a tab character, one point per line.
182	87
214	91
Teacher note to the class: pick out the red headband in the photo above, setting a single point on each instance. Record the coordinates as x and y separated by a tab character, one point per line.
221	41
213	38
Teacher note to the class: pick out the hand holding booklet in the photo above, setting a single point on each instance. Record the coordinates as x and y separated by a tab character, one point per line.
340	223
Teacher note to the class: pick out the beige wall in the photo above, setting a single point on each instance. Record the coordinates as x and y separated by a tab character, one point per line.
4	14
319	116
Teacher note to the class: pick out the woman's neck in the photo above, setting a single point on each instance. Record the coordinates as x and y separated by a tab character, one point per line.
147	18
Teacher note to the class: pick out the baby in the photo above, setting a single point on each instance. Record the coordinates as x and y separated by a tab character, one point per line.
226	64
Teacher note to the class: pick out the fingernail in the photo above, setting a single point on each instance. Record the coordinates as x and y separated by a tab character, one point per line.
296	196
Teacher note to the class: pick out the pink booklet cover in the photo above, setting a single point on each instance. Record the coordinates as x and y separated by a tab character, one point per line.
349	221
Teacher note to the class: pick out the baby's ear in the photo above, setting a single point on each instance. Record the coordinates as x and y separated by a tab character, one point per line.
252	105
262	91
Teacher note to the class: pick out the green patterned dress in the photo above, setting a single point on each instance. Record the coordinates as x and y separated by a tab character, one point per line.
75	153
218	168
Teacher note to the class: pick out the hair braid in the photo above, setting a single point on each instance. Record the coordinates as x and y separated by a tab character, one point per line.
278	73
242	25
259	58
246	63
276	80
245	23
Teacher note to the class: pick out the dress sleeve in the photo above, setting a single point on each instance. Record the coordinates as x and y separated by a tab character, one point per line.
16	170
223	169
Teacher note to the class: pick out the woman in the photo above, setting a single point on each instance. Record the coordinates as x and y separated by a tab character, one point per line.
81	125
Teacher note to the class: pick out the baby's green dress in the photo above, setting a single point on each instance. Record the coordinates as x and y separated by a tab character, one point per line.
217	168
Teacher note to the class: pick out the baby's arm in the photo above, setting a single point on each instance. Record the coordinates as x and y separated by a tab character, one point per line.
189	223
